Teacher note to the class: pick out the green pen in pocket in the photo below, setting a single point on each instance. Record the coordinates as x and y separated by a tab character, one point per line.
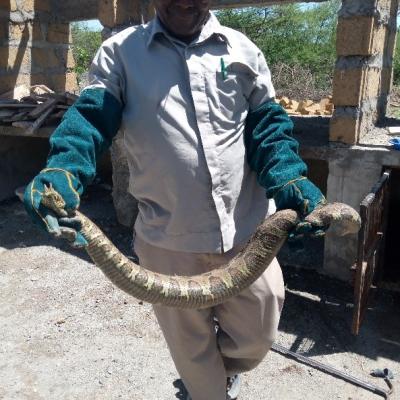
223	69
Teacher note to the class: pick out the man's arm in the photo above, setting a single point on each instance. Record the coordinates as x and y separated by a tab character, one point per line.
272	153
86	131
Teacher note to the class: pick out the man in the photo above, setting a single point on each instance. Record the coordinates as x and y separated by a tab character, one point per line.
204	141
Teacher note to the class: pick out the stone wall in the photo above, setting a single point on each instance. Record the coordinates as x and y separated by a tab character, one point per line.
34	47
366	35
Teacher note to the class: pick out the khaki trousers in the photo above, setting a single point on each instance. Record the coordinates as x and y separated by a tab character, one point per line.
248	322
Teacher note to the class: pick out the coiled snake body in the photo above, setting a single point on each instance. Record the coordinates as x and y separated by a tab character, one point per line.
208	289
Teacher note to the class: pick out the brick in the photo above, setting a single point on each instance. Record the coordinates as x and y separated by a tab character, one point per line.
354	36
59	33
344	130
347	87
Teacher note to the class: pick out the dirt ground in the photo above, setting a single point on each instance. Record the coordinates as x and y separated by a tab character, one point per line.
66	333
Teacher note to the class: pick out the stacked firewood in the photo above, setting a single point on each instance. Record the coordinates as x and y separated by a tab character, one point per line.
31	108
307	107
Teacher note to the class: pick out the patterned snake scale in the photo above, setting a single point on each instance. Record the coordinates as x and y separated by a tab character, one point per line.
208	289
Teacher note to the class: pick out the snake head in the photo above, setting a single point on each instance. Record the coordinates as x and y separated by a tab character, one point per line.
345	219
53	200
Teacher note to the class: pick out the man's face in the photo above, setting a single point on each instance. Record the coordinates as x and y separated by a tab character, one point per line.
183	18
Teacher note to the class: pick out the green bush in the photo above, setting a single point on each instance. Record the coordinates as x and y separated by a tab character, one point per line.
85	44
292	35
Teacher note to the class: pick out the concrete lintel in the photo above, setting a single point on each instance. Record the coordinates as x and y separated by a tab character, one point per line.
76	10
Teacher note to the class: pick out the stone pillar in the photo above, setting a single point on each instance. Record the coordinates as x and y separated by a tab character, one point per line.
34	48
366	36
116	15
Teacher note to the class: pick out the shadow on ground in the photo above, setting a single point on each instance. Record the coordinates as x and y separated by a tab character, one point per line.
317	312
316	301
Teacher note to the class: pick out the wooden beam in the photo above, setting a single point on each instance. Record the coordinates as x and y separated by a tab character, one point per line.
217	4
74	10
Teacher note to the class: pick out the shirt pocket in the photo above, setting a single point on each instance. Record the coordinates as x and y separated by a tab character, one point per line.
233	86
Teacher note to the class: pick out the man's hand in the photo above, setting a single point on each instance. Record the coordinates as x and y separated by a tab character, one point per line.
60	224
303	196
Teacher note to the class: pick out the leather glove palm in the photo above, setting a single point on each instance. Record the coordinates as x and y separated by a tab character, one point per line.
64	226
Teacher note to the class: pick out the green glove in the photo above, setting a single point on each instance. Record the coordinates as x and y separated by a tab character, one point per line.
64	226
272	152
303	196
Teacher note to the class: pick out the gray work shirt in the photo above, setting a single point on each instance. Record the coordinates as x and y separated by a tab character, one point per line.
184	111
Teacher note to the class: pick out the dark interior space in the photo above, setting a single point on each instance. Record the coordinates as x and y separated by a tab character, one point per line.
318	171
391	271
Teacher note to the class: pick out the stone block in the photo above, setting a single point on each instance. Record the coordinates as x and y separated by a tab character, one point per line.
347	85
59	33
45	58
57	82
355	36
344	129
107	10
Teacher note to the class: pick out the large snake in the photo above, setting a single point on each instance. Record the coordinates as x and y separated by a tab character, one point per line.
208	289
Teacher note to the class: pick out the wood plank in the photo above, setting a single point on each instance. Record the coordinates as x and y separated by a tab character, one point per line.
17	105
43	107
67	10
7	130
39	122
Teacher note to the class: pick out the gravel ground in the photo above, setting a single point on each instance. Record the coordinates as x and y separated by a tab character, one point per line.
66	333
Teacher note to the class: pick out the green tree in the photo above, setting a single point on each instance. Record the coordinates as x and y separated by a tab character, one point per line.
396	61
293	35
85	44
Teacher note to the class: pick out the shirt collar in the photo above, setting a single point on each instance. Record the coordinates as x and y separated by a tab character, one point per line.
211	28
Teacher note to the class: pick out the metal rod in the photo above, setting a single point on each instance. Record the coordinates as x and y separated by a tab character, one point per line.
334	372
